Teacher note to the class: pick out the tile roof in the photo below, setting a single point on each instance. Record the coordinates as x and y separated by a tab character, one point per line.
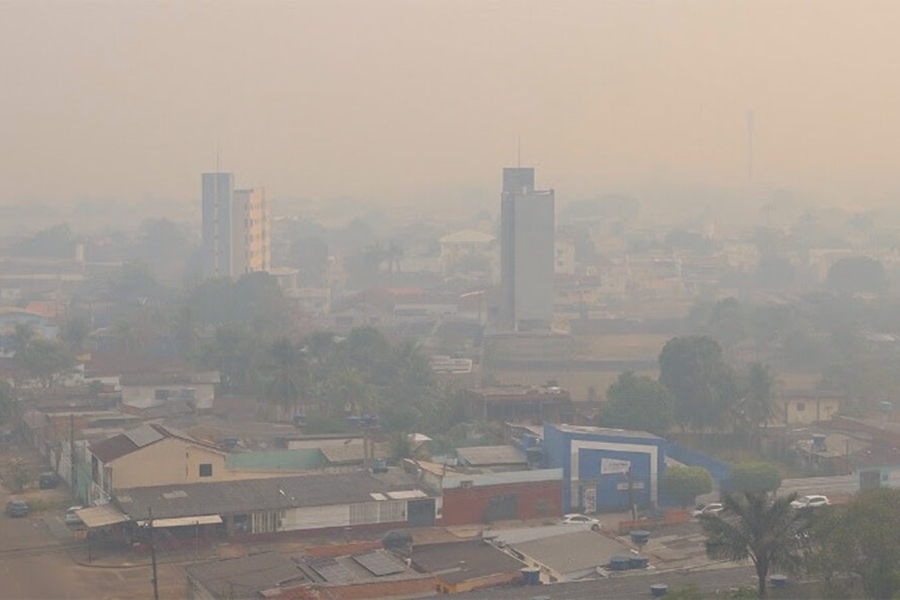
248	495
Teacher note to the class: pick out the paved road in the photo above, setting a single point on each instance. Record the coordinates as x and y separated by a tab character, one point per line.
838	485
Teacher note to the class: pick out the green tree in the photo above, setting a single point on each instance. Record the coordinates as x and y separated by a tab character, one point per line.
284	371
638	402
684	484
754	477
755	406
7	402
857	274
235	352
702	384
759	527
861	537
18	474
75	331
43	361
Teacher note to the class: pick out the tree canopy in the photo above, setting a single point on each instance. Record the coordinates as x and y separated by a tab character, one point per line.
638	402
702	384
861	537
684	484
754	477
857	274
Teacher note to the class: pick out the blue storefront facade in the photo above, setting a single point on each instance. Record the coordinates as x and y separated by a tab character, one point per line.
605	469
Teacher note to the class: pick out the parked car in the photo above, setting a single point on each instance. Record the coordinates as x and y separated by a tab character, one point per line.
711	508
813	501
17	508
72	517
579	519
49	480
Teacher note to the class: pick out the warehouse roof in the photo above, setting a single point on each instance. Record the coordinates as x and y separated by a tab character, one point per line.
249	495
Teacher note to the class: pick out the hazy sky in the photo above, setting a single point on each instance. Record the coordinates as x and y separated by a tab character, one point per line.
129	99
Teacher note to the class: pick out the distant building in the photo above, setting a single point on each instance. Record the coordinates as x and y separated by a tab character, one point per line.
236	228
527	255
519	403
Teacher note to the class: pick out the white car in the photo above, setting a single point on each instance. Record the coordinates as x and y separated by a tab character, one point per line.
810	502
712	508
579	519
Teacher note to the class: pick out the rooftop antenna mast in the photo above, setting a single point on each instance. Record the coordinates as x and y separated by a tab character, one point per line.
749	146
518	151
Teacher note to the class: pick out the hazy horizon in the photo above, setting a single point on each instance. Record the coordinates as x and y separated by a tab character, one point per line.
402	99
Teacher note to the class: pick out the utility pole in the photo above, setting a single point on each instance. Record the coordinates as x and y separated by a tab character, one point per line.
72	471
152	553
631	495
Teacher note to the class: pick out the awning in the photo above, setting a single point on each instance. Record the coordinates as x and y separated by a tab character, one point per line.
101	516
184	521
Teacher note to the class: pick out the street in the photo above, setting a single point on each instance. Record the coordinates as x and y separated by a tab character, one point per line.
38	561
834	486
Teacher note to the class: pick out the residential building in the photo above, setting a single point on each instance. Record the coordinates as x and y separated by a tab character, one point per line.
151	455
218	217
804	407
252	243
527	256
170	391
236	228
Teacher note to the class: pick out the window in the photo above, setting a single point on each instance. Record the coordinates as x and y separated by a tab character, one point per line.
801	406
206	470
161	394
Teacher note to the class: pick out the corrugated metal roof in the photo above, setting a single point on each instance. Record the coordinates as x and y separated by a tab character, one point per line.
250	495
143	436
491	455
455	479
250	574
101	516
463	561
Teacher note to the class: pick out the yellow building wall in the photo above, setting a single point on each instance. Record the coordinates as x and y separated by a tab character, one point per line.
809	411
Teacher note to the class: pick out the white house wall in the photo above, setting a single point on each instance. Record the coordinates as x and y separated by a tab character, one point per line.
344	515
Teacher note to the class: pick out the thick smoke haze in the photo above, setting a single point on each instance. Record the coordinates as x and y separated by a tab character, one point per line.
397	99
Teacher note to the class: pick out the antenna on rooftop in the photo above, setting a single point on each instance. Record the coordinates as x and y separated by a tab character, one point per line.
749	146
518	151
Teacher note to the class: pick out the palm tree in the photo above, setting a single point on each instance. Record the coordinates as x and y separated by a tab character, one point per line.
758	526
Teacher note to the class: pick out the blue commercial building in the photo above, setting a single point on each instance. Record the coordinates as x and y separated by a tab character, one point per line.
605	469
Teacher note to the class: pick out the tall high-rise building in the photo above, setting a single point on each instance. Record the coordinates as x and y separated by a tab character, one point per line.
527	225
236	228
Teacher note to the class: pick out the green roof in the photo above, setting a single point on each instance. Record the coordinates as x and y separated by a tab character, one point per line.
303	459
